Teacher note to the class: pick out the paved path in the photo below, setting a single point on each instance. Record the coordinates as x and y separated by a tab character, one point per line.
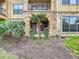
52	49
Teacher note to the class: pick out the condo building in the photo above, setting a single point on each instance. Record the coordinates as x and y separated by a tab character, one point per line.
63	15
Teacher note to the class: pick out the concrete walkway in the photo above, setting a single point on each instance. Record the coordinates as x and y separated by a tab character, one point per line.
52	49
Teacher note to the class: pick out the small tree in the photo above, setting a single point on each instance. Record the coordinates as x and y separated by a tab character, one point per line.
38	19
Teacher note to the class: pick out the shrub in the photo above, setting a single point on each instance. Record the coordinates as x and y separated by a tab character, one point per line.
32	33
14	28
46	33
3	29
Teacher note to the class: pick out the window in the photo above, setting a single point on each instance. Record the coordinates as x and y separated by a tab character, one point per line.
65	23
70	2
70	24
65	2
18	9
78	2
73	24
0	8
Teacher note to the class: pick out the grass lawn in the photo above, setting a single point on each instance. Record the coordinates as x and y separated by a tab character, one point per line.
73	44
5	55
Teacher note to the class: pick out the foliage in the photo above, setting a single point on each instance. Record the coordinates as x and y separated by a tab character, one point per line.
73	43
1	19
38	19
32	32
46	33
5	55
2	29
14	28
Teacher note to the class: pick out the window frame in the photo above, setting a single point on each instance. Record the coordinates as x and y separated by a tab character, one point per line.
18	9
76	2
65	3
77	30
39	6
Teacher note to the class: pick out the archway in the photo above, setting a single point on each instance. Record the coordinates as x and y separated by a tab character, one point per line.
43	26
39	24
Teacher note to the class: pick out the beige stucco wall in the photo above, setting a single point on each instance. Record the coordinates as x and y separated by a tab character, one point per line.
10	9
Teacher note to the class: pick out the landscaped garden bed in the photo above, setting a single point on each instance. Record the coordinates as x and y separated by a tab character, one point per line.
11	31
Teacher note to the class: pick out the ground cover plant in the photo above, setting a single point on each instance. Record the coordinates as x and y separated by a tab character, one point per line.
73	44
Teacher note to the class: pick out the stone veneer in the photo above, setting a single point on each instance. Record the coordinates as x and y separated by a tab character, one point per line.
54	15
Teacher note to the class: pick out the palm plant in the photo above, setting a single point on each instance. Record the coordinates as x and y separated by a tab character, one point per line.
2	29
16	28
38	19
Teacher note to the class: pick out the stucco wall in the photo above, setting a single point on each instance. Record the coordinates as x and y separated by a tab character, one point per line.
67	8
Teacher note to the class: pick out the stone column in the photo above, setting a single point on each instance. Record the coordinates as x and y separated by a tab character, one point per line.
52	24
26	18
25	5
9	8
53	4
27	25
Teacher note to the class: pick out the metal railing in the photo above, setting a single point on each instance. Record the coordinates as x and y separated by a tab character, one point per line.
40	6
3	11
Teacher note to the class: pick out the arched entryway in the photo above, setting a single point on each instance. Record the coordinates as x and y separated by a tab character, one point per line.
43	26
39	26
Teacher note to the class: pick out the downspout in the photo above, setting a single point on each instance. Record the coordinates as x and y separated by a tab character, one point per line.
58	21
57	16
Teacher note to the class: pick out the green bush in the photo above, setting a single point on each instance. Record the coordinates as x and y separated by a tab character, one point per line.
32	33
3	29
14	28
46	33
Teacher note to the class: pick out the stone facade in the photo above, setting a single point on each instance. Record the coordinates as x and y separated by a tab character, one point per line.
54	14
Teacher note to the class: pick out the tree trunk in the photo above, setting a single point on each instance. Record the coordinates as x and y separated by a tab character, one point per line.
39	30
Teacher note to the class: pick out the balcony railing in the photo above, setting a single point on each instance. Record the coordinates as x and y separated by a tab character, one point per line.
40	6
2	11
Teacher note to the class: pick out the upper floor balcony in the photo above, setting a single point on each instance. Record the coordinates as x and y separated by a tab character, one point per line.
3	12
39	5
